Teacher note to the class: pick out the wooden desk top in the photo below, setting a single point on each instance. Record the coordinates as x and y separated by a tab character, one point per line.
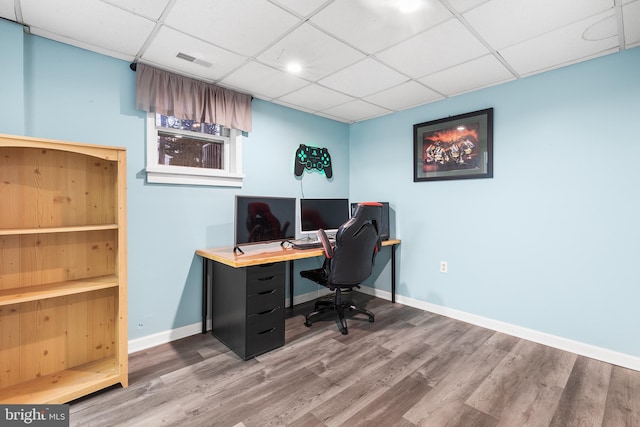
265	253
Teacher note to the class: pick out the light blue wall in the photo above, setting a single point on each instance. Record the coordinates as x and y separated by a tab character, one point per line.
12	83
76	95
551	242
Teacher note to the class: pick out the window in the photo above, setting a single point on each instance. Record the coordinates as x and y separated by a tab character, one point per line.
188	152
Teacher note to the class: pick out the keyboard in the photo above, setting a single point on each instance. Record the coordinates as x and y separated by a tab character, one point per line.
309	244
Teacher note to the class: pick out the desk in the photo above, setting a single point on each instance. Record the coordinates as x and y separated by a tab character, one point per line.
262	255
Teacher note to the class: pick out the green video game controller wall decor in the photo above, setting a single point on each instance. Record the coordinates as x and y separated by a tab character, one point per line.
313	158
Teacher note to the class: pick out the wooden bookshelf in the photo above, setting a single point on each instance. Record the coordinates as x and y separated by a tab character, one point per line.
17	231
66	385
63	269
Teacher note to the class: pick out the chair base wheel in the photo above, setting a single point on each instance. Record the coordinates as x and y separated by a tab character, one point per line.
339	308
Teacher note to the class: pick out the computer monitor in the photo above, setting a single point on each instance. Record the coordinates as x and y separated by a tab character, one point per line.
264	219
328	214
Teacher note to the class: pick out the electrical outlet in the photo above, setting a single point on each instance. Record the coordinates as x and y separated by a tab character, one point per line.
444	267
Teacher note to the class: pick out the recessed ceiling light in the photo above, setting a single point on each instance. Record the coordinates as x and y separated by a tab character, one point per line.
408	6
294	67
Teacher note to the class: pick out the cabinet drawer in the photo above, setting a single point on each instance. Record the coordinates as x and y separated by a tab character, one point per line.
260	322
265	332
265	284
260	276
265	301
264	341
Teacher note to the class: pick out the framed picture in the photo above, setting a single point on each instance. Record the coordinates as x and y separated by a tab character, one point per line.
457	147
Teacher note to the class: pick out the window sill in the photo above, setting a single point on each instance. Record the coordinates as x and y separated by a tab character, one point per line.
221	180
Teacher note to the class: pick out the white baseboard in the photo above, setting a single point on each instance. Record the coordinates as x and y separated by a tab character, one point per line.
587	350
153	340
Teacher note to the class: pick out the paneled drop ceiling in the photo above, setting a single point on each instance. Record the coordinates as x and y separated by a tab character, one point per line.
358	59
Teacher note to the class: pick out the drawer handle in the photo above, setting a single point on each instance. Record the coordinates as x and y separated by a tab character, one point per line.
267	331
268	311
264	279
267	292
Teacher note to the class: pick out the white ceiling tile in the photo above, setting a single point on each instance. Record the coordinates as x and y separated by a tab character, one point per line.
91	22
318	53
504	23
242	26
631	20
263	82
476	74
148	8
465	5
356	110
7	10
559	47
125	56
302	8
168	43
363	78
405	95
316	98
426	53
328	116
372	25
292	106
363	49
605	28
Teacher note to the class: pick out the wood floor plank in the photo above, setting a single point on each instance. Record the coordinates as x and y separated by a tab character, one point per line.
524	389
116	407
307	420
302	395
361	393
389	407
408	368
584	397
349	366
455	413
623	400
454	376
264	404
449	353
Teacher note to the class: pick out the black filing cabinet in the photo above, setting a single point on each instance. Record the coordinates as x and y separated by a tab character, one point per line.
247	307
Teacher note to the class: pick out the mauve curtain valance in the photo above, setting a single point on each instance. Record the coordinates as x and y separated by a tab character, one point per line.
162	92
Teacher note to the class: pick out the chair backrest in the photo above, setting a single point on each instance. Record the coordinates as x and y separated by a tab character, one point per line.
356	246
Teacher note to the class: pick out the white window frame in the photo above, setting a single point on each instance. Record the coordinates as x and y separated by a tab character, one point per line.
230	176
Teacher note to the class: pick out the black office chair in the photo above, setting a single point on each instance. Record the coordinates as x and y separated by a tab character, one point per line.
347	264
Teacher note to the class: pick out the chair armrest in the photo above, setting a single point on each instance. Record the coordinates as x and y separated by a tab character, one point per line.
326	244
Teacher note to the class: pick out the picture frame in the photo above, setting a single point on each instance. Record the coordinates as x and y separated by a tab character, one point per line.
455	147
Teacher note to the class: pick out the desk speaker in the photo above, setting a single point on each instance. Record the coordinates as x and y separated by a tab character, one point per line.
384	228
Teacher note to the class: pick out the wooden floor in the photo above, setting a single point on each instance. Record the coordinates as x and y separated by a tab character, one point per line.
409	368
